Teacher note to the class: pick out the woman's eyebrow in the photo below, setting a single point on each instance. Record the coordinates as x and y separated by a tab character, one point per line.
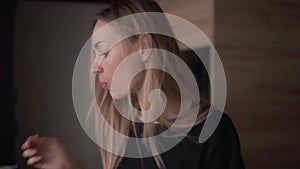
97	43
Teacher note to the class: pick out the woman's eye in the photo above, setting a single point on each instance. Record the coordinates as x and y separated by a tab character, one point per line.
97	53
105	53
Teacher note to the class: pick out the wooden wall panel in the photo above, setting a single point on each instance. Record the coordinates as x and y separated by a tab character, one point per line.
258	42
198	12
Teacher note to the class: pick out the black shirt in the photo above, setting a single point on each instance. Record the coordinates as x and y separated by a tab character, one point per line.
220	151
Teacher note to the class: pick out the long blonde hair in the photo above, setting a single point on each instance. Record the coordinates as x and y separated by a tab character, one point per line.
153	79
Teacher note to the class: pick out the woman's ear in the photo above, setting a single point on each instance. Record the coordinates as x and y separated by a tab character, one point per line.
146	42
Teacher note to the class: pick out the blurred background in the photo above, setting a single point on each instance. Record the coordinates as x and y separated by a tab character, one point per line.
257	41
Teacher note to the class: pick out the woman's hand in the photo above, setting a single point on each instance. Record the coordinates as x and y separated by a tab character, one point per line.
48	153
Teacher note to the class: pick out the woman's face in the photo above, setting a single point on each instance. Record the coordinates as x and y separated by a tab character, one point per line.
112	57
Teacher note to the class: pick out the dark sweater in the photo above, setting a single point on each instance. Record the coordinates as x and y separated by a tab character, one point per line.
220	151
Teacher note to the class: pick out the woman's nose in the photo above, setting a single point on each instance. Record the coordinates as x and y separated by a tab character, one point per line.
97	68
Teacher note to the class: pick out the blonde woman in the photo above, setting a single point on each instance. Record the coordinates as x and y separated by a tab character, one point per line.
136	52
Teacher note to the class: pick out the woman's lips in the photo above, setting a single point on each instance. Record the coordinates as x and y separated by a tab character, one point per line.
104	85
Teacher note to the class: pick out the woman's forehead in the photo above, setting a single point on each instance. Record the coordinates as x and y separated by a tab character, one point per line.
110	32
99	24
102	33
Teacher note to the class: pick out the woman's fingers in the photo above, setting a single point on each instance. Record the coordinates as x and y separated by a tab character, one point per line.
27	144
29	153
34	159
29	141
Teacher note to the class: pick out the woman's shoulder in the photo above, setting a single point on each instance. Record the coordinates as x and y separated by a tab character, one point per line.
220	150
216	127
222	147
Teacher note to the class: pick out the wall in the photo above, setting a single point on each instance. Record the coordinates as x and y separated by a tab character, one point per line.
49	36
258	41
198	12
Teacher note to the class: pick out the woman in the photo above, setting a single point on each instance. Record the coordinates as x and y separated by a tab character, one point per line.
130	108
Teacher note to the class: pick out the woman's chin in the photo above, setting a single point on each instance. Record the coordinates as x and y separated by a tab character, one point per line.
117	95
